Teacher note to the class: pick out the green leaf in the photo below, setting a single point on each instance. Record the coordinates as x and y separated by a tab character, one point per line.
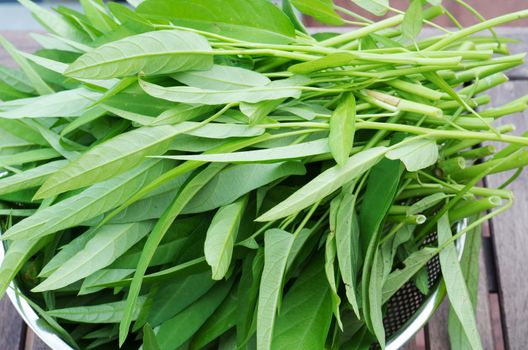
306	314
15	79
149	339
321	10
67	252
330	256
277	89
36	80
177	295
470	265
416	155
342	129
98	16
106	245
457	291
248	290
151	53
301	150
376	7
156	236
30	178
308	111
88	204
296	20
54	23
278	244
101	277
382	187
412	264
223	319
221	237
18	253
375	302
347	245
426	203
103	313
413	20
248	20
28	157
222	78
68	103
111	158
176	331
325	184
237	180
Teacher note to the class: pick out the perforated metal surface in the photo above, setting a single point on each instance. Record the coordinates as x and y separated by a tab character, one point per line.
406	302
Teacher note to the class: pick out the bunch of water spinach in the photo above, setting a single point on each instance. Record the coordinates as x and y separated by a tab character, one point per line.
206	174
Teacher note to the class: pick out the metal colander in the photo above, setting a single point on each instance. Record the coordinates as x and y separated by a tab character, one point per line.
407	311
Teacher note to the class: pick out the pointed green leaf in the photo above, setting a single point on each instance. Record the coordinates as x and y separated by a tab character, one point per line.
237	180
416	155
30	178
103	313
222	78
376	7
53	22
301	150
156	236
277	89
321	10
347	245
149	339
248	20
151	53
342	129
306	313
68	103
88	204
413	20
111	158
177	295
278	244
330	256
36	80
106	245
456	286
325	184
176	331
221	236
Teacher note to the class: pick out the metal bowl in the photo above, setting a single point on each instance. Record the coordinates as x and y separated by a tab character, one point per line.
410	325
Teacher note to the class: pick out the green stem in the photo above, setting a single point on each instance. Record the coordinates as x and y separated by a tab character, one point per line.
449	39
362	32
444	134
498	165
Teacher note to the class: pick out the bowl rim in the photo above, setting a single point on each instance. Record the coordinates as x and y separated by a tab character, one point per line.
397	341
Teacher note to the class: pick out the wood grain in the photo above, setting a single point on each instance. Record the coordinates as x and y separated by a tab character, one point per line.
510	237
12	327
33	342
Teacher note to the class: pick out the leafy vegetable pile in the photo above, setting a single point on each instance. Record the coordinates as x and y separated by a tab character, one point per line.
205	174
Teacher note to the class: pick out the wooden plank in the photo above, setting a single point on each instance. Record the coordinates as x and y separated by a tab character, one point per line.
12	327
509	236
33	342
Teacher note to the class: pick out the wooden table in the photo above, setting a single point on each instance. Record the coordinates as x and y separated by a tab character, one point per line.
503	290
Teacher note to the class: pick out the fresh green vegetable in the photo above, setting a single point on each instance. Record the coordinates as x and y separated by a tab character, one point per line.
206	174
